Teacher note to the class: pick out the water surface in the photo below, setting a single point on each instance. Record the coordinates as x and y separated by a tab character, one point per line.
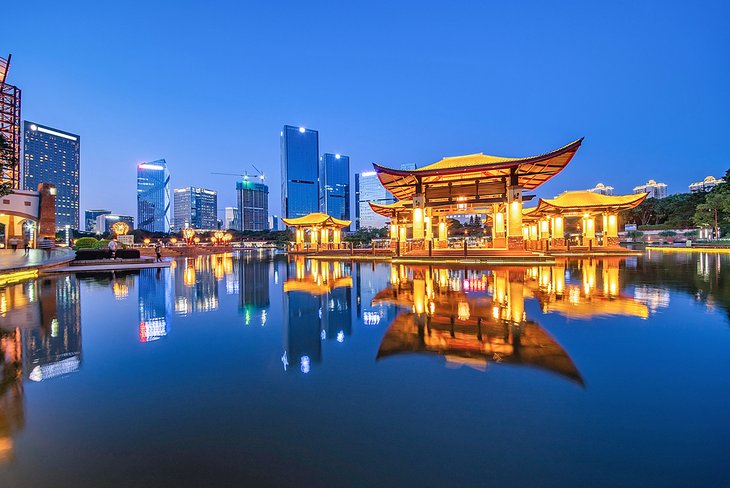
260	370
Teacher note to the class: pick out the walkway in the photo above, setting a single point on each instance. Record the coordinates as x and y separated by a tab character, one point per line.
13	261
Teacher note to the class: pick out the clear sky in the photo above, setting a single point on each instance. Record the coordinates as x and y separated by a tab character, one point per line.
209	85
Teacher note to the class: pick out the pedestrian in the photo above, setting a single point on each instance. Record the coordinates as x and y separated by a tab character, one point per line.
26	247
14	243
158	252
113	248
46	245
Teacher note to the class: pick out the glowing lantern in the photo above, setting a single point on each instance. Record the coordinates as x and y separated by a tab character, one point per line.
196	240
173	241
188	233
120	228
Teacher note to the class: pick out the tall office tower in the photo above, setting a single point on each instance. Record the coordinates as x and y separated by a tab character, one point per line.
369	189
601	189
9	128
90	218
104	222
196	208
53	156
253	205
654	189
230	219
334	175
299	171
153	196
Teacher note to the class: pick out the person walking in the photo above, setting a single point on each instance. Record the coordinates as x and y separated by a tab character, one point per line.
113	248
158	252
14	243
26	247
46	245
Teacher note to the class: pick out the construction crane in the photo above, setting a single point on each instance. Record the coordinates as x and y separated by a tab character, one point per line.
245	175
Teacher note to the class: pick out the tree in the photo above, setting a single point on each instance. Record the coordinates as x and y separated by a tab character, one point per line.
634	234
714	210
8	162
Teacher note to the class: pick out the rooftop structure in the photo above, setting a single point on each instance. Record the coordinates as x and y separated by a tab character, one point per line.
602	189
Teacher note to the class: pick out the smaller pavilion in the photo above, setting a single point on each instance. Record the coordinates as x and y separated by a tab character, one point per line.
544	226
322	229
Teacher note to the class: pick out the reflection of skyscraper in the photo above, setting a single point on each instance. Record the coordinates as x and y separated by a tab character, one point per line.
54	348
196	287
154	304
253	288
336	316
153	196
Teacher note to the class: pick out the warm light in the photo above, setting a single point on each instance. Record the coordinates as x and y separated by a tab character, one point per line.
196	240
146	241
173	241
188	233
120	228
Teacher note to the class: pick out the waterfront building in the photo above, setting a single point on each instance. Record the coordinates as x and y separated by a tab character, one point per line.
707	184
334	174
321	228
196	208
253	205
54	156
601	189
90	217
299	171
653	189
104	222
230	219
10	127
153	196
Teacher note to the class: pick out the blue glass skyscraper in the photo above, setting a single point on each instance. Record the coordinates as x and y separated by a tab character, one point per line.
153	196
299	171
334	174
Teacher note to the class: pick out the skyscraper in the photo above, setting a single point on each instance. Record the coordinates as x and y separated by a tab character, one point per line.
654	189
230	219
299	171
601	189
369	189
153	196
253	205
90	218
334	175
195	207
53	156
10	126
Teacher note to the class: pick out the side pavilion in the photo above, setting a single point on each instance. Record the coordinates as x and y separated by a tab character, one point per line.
322	229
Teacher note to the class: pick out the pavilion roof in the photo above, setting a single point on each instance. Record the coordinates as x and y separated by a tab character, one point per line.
530	172
585	201
391	209
316	219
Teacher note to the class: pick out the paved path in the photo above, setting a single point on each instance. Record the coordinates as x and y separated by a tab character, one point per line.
18	260
108	267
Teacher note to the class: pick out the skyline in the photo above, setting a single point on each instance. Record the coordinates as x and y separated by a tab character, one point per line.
405	96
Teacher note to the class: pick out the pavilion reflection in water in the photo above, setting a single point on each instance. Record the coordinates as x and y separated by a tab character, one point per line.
469	317
317	308
40	339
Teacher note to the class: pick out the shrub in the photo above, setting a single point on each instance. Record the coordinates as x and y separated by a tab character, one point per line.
128	253
102	244
91	254
86	243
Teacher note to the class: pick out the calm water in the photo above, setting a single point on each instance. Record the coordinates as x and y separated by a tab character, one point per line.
262	371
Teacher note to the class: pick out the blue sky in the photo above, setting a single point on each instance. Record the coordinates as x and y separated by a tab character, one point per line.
208	86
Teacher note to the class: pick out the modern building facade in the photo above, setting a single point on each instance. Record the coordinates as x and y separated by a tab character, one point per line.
601	189
299	171
253	205
196	208
54	156
334	177
153	196
369	189
654	189
9	128
90	217
104	222
230	219
707	184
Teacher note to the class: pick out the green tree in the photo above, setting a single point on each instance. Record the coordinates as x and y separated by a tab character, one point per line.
8	162
714	210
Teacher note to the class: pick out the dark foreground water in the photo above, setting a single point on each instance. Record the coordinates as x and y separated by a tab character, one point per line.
259	371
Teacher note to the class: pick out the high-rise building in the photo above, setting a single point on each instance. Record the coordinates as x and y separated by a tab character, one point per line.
104	222
196	208
369	189
334	176
230	219
654	189
153	196
299	171
601	189
53	156
90	217
9	127
253	205
707	184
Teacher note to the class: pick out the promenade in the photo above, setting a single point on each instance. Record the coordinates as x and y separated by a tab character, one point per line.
14	261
